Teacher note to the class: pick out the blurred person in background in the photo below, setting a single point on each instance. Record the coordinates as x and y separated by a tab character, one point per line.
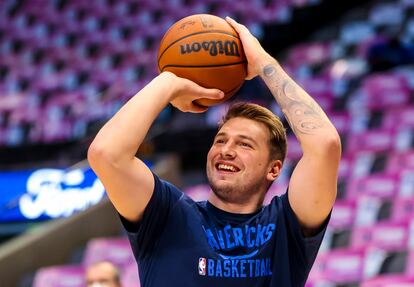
103	274
231	239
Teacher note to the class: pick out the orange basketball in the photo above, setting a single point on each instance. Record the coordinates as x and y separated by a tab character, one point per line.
207	50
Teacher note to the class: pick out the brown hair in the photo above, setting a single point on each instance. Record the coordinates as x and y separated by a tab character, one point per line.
277	132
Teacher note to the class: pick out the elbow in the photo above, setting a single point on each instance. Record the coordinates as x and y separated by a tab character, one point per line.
99	155
327	145
94	155
331	144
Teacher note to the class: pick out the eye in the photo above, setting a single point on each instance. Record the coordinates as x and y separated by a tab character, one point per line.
219	141
244	144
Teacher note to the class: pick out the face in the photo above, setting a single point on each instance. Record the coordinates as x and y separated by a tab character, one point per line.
101	275
238	163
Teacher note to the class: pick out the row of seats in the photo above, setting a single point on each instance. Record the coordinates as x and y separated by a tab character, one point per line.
102	51
115	250
369	241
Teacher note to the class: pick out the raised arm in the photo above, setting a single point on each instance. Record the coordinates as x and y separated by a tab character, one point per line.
313	185
128	181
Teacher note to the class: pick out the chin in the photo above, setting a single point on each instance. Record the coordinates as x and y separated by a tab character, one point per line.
234	191
221	187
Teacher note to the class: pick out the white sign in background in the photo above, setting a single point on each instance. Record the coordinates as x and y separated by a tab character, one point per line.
57	193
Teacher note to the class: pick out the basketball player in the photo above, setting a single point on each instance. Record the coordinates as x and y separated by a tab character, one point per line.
231	239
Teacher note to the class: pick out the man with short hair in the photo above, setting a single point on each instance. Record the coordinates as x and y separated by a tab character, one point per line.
103	274
231	239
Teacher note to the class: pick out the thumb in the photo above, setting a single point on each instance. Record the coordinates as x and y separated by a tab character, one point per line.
214	94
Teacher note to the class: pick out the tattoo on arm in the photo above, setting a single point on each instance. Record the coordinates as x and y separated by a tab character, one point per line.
302	113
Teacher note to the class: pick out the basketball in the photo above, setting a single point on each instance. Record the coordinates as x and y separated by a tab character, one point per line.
207	50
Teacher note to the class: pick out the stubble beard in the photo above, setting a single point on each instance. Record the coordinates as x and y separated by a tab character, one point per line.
236	193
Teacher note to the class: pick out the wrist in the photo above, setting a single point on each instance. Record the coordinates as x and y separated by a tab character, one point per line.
264	62
168	81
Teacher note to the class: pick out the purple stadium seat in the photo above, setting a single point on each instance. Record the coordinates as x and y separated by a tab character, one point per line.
116	250
403	208
384	91
317	277
341	120
387	14
401	117
60	276
364	45
276	189
361	235
56	130
343	214
393	280
342	266
277	11
320	88
345	167
407	71
381	185
130	277
367	210
198	192
294	150
319	283
356	32
309	53
371	141
387	236
409	268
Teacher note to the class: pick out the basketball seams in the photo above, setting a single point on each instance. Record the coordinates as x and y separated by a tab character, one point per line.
202	66
192	34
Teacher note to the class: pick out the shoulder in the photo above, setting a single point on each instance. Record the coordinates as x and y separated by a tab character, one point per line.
278	204
163	188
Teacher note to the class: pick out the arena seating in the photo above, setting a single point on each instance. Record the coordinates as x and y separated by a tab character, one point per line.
60	276
74	62
369	239
56	78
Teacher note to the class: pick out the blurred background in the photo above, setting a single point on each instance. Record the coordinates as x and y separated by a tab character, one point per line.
66	66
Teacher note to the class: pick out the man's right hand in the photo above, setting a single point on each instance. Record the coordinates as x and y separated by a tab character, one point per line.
185	92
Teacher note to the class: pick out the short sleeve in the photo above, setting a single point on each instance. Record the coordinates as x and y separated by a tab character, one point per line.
144	234
302	250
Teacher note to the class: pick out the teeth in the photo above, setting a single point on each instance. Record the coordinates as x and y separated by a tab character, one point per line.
226	167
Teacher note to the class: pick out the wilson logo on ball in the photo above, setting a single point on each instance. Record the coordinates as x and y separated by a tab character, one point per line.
228	48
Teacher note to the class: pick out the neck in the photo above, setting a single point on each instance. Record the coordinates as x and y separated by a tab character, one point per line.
242	208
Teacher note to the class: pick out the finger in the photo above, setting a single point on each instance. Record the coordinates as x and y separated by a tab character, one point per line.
237	26
233	23
214	94
209	93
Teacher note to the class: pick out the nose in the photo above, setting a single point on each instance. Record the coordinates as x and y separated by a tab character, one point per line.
227	150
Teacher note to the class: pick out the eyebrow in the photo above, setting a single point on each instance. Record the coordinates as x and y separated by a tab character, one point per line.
239	136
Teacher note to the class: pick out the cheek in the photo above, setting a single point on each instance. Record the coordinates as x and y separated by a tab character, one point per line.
256	164
210	155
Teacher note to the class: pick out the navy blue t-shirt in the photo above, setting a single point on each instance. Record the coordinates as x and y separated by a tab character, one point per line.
183	243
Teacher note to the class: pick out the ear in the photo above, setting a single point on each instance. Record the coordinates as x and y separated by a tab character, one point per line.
274	169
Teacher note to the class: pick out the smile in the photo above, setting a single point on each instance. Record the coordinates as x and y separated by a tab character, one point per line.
227	167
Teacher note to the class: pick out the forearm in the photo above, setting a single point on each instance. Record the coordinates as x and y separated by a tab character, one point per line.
122	135
306	118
